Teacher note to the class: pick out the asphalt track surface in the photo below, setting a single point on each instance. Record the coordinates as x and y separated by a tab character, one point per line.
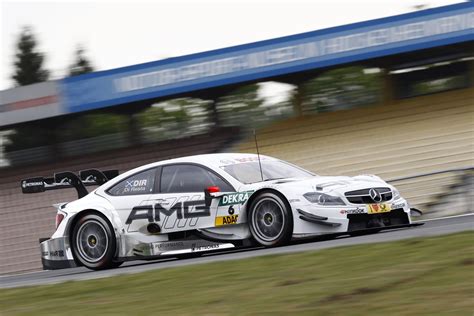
431	228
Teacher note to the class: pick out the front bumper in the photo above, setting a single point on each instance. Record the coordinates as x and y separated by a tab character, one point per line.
311	219
366	221
56	254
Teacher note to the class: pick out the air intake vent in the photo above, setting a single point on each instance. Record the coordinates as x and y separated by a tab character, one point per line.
370	195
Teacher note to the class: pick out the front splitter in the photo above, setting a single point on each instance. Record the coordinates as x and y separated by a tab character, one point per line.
357	232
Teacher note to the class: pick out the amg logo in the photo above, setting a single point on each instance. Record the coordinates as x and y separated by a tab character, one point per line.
182	209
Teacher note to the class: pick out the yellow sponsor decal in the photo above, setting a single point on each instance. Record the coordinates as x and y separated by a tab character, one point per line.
379	208
226	220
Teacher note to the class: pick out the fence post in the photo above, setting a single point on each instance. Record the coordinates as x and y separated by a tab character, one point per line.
388	89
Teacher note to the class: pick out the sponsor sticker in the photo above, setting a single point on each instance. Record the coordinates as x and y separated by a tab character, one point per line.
398	205
378	208
164	246
235	198
53	253
135	186
226	220
195	248
358	210
26	184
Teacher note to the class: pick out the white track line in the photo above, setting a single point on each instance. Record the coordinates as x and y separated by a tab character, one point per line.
446	217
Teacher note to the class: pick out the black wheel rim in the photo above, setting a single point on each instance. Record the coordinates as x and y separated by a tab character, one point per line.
92	241
268	219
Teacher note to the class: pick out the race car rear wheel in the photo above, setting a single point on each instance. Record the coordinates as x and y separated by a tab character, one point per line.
93	242
270	220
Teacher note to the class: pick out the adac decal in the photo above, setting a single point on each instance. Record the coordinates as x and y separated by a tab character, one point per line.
235	198
226	220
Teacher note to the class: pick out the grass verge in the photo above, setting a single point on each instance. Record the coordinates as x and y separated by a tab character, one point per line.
428	276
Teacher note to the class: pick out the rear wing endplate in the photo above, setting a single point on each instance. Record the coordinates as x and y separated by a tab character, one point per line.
67	179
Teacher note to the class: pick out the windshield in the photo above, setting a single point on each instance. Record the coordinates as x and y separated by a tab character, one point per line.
249	172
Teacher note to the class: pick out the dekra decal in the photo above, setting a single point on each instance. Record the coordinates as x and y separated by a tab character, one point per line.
235	198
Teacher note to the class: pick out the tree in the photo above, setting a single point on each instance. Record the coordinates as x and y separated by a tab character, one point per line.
28	61
242	107
173	118
340	88
81	64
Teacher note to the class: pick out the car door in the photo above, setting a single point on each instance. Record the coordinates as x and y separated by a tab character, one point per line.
130	197
179	201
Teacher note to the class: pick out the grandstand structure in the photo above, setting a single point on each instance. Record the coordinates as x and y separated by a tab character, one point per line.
25	218
405	133
412	136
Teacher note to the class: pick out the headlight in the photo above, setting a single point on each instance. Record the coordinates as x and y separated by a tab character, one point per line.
323	199
395	194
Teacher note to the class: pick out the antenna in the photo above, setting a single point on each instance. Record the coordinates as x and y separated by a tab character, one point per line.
258	154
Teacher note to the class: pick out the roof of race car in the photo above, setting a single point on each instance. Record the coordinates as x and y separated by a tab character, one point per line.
210	160
220	159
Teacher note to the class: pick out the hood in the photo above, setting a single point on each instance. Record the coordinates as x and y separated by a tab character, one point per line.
328	184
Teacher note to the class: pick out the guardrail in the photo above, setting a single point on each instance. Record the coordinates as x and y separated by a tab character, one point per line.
437	195
431	173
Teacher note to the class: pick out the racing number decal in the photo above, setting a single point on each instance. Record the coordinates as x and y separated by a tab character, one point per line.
227	220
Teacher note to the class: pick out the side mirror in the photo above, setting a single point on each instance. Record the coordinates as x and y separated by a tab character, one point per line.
415	212
207	194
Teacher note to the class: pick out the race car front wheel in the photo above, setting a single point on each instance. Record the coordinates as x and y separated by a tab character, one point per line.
93	242
270	220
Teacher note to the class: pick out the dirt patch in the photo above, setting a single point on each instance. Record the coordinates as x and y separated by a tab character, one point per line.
467	262
412	242
289	282
295	281
353	294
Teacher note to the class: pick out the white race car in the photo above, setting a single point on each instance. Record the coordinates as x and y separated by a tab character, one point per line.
190	205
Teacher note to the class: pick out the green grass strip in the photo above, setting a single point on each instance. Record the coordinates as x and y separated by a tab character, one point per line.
423	276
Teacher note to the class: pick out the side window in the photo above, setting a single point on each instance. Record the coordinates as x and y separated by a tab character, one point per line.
190	178
140	183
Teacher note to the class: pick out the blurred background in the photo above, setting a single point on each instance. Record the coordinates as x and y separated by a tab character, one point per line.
392	97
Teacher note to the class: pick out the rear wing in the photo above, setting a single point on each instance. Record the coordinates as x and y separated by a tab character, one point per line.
67	179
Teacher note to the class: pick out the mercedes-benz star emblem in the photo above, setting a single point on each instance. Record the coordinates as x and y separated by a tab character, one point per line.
375	195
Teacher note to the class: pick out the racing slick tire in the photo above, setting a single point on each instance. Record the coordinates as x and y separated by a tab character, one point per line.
93	243
270	220
115	264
